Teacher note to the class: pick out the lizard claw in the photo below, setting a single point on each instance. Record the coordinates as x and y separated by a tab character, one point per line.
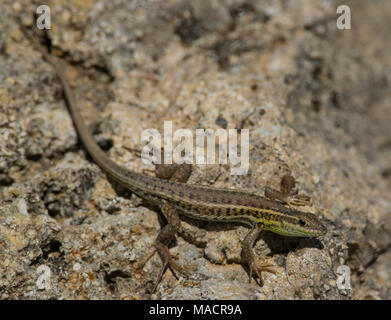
258	269
169	263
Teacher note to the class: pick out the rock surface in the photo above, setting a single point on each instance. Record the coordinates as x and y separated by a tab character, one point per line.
315	99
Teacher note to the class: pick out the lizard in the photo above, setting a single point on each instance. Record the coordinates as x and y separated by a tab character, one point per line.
175	197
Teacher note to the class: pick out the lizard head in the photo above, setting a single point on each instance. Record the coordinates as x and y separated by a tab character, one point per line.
296	224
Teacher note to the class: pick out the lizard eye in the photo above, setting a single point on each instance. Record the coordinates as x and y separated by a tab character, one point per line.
302	222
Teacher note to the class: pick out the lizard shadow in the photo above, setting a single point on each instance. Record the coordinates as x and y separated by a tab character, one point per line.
279	244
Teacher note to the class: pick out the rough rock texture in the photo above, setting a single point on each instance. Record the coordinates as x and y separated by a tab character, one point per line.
315	99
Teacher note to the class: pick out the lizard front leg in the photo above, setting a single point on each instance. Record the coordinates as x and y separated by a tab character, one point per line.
249	258
288	193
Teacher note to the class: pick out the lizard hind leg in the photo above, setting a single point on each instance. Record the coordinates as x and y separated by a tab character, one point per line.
177	173
165	236
174	172
181	173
